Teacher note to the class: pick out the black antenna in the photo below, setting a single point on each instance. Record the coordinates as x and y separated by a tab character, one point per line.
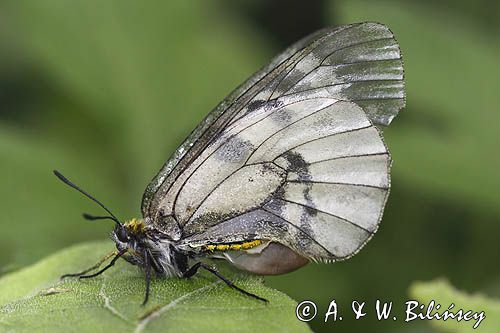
94	217
87	216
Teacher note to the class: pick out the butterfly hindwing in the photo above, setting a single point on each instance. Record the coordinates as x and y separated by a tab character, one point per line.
314	190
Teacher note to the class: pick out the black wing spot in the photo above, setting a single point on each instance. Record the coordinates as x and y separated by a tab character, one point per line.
235	150
266	105
297	164
254	105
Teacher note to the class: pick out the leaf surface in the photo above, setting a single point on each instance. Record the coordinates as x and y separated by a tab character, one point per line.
34	299
442	292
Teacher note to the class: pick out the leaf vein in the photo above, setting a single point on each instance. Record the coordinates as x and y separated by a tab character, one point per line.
145	321
112	309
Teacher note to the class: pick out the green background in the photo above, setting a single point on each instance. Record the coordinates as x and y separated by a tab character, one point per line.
105	91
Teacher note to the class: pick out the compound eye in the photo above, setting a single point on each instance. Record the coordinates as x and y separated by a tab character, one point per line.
121	234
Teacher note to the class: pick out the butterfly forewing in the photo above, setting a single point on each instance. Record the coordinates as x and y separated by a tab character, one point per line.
293	155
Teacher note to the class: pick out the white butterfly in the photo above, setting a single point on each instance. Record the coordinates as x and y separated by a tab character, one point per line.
290	167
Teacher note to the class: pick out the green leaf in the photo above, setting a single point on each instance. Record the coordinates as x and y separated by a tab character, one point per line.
442	292
34	299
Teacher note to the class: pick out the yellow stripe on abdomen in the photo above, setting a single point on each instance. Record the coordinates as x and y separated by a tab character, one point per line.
234	246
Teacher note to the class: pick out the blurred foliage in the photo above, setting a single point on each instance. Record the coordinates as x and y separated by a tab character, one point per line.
35	300
105	91
441	290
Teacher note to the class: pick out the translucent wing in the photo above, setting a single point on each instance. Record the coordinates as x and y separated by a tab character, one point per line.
293	154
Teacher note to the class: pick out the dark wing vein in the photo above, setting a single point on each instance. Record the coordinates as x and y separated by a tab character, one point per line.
335	183
330	214
321	138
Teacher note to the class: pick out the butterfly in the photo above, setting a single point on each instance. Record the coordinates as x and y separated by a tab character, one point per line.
290	168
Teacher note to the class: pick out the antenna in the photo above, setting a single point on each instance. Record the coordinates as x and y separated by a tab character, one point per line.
85	215
94	217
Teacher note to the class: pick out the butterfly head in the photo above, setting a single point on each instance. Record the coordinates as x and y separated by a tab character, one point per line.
130	238
131	231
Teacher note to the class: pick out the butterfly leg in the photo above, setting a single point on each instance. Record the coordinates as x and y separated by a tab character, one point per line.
96	266
147	275
111	263
194	269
